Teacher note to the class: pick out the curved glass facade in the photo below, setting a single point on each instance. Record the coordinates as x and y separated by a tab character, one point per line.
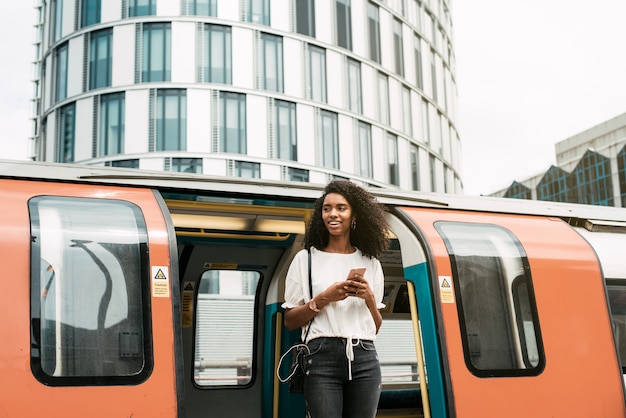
298	90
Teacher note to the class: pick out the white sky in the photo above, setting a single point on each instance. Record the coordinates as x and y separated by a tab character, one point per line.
529	74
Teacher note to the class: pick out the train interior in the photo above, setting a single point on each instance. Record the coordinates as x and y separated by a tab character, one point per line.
233	256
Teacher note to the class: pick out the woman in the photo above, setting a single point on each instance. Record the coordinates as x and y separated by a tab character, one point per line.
345	235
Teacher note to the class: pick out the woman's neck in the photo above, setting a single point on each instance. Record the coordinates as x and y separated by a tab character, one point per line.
340	246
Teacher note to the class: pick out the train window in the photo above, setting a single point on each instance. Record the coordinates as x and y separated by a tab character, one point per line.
617	301
89	292
495	299
224	327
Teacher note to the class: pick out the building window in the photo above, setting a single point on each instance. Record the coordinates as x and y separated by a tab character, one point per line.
344	23
56	7
373	22
495	299
90	292
67	133
100	59
518	191
187	165
233	122
425	122
141	8
157	52
90	12
392	159
202	7
407	113
593	182
417	7
364	162
554	186
298	174
383	98
130	163
415	172
217	54
432	162
112	124
433	73
259	12
171	120
305	17
248	169
354	86
419	76
317	71
61	72
330	139
272	62
286	139
621	169
398	47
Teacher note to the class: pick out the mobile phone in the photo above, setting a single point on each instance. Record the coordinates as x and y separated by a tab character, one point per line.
352	272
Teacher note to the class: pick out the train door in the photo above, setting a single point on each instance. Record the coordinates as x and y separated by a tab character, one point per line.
86	302
521	314
229	255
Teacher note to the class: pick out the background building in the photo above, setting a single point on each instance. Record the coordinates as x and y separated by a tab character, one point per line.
591	169
301	90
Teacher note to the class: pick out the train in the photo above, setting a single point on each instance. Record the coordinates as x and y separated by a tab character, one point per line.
129	293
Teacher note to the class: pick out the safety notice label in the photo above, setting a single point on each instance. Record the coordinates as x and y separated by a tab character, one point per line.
445	289
160	282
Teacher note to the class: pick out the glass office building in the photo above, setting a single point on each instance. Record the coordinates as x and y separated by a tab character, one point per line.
297	90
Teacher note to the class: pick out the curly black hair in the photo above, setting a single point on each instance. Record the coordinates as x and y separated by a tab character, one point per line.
369	236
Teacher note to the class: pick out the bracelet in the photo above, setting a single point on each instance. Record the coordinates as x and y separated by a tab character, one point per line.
313	306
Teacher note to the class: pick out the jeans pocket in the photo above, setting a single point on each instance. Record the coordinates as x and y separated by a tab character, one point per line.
367	345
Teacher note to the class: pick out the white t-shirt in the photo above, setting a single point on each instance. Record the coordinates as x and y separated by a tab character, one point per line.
348	318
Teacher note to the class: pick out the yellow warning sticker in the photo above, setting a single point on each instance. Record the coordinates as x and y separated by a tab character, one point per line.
160	282
445	289
187	314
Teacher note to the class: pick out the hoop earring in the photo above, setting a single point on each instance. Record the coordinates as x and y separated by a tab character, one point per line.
353	224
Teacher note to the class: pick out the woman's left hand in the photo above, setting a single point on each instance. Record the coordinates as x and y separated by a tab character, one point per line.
356	285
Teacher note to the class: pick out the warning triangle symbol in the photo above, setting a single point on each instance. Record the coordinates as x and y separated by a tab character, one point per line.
160	275
445	283
189	286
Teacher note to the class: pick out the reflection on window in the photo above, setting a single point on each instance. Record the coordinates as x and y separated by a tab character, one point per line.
202	7
67	133
258	12
187	165
247	169
617	301
297	174
56	7
392	159
495	298
217	54
233	122
373	24
286	138
61	72
112	124
90	12
141	8
225	318
398	47
415	172
171	120
305	17
157	52
272	62
89	289
100	58
344	23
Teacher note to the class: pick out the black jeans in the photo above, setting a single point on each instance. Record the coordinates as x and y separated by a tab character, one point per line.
328	390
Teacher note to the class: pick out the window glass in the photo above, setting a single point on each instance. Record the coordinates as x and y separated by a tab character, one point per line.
286	138
112	123
298	174
317	63
131	163
90	12
247	169
171	121
419	76
415	173
218	54
225	318
67	133
305	17
187	165
61	72
392	159
141	8
407	113
495	299
56	7
365	150
272	62
344	23
373	23
330	140
397	47
617	301
89	292
354	86
100	59
202	7
259	12
157	52
233	122
383	98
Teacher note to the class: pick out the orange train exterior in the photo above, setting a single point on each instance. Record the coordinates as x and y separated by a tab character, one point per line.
582	373
578	375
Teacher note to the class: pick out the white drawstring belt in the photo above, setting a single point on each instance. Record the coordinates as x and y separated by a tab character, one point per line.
350	354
